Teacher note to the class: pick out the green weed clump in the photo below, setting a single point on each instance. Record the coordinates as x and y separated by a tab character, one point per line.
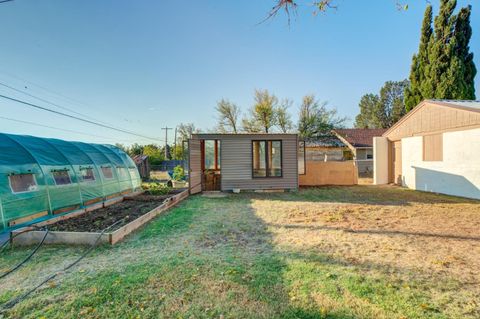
156	188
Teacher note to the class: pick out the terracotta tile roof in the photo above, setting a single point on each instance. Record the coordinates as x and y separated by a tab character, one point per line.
359	137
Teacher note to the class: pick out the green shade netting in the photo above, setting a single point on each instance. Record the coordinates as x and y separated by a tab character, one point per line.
112	172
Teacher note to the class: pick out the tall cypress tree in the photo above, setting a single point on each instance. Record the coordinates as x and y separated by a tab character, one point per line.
443	67
440	53
462	70
413	94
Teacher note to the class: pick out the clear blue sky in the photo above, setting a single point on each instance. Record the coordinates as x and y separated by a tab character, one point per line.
141	65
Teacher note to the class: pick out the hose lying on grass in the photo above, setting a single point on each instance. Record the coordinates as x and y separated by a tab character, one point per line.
10	304
5	274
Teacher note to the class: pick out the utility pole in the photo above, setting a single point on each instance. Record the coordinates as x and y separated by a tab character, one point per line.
166	128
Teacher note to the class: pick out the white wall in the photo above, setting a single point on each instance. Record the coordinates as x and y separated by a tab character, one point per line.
380	160
459	172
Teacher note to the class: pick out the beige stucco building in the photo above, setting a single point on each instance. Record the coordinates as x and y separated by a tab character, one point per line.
435	148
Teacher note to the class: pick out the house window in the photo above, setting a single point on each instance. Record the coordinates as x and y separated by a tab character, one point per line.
267	158
369	154
433	148
107	172
87	174
301	158
22	183
212	154
61	177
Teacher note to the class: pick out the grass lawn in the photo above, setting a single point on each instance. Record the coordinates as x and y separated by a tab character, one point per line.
332	252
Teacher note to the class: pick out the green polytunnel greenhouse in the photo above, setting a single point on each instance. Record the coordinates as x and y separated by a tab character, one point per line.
42	177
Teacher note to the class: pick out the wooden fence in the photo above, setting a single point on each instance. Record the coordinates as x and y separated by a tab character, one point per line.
329	173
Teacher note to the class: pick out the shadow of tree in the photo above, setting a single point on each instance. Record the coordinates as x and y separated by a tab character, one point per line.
376	231
222	256
365	194
286	280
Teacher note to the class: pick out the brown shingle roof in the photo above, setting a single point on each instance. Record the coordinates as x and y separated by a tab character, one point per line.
360	137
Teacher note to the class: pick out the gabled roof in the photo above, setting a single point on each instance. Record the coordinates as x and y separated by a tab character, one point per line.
463	105
359	137
467	104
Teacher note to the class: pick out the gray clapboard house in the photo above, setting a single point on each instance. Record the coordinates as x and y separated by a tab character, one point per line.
226	162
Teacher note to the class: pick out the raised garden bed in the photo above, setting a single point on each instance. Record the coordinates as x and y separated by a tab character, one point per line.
86	228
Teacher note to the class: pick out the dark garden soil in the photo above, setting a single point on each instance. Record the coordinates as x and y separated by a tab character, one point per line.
127	211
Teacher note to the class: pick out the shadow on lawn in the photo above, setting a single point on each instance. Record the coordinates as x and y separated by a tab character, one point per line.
311	284
236	246
375	232
366	194
266	276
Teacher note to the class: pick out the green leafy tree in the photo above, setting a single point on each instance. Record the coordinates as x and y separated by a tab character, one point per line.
184	132
385	109
315	119
443	68
135	149
413	94
391	107
462	69
178	151
262	116
228	116
155	154
368	106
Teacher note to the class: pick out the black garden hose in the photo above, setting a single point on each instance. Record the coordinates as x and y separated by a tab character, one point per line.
13	302
5	274
9	240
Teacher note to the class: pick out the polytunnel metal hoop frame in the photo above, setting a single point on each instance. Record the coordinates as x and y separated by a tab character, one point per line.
42	157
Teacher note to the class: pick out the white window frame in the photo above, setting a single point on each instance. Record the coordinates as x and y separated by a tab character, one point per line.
28	191
88	180
111	170
123	176
55	181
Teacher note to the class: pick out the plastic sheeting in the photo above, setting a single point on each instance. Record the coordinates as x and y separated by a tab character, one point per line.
41	157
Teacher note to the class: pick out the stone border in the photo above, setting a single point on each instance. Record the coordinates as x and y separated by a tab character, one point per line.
87	238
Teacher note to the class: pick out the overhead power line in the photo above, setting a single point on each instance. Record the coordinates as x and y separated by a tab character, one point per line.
50	91
78	118
48	102
61	129
64	97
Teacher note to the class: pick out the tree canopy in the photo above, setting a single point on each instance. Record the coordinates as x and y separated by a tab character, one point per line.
284	119
262	116
443	68
315	119
382	110
228	116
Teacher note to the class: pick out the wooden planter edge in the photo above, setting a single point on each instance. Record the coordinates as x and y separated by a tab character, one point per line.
88	238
